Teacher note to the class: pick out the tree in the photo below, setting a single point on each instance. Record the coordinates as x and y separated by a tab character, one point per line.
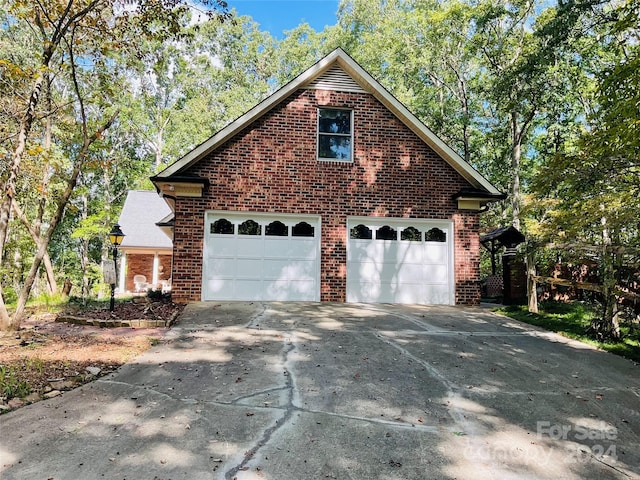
432	70
68	38
591	185
183	91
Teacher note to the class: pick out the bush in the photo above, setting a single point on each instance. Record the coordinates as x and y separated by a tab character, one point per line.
158	296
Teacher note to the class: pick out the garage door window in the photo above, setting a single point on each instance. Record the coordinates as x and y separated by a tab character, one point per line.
435	235
277	229
249	227
361	232
222	226
302	229
386	233
411	234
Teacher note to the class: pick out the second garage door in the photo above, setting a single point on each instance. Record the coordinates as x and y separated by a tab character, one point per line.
254	256
399	261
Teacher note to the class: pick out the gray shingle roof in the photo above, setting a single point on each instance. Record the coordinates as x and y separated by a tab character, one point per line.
141	211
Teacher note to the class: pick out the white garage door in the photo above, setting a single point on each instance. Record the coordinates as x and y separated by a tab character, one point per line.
252	256
400	261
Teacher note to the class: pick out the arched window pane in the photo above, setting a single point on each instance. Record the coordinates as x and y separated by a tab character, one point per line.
302	229
277	229
249	227
435	235
361	232
411	234
386	233
223	226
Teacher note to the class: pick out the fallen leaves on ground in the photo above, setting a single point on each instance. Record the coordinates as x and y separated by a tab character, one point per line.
46	357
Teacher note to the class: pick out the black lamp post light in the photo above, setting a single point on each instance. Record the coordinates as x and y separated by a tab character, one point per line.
115	237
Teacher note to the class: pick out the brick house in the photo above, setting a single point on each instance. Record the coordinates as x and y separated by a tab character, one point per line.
146	249
328	190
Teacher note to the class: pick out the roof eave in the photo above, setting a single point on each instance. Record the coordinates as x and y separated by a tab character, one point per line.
180	186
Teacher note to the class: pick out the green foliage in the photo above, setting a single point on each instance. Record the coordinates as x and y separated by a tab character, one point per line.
572	320
48	302
10	384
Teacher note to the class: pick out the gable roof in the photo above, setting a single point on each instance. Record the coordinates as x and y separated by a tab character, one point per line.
340	72
141	211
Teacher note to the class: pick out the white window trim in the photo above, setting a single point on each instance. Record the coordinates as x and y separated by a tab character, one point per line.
318	133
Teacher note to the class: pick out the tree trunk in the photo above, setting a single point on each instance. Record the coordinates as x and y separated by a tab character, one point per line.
84	254
607	326
516	154
532	291
9	189
46	177
10	185
51	277
159	148
44	240
34	231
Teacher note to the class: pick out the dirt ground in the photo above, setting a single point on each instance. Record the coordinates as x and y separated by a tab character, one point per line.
45	358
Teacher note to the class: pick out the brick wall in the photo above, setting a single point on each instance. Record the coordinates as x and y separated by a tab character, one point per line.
271	166
142	264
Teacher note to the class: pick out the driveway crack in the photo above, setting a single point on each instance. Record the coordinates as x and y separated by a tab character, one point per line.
289	408
238	401
453	391
254	321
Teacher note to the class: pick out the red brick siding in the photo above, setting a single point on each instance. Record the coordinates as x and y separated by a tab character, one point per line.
271	166
142	264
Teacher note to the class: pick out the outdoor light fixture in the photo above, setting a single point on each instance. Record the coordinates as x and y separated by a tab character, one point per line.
115	237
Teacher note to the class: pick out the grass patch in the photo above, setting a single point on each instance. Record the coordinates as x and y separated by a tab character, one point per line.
572	320
11	385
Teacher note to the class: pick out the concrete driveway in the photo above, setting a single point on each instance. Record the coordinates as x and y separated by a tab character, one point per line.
340	391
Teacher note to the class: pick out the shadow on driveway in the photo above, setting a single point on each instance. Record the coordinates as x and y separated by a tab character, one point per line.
344	391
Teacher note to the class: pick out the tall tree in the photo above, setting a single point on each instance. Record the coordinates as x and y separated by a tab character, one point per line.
183	91
69	36
590	185
432	69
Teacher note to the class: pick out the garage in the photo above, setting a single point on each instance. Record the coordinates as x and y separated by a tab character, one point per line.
399	261
257	256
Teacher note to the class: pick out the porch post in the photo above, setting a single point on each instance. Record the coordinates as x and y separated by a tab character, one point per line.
156	268
122	281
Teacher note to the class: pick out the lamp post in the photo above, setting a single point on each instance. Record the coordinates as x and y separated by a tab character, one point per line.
115	237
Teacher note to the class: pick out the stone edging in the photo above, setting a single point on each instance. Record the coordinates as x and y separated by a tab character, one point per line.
136	323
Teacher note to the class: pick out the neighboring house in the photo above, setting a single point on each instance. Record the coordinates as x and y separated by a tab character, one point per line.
146	248
328	190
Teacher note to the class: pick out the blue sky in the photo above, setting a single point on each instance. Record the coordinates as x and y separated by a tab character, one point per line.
274	16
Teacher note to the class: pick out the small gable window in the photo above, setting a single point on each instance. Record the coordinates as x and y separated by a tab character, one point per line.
222	226
335	134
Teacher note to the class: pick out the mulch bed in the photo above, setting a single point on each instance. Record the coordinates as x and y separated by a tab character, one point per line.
47	356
